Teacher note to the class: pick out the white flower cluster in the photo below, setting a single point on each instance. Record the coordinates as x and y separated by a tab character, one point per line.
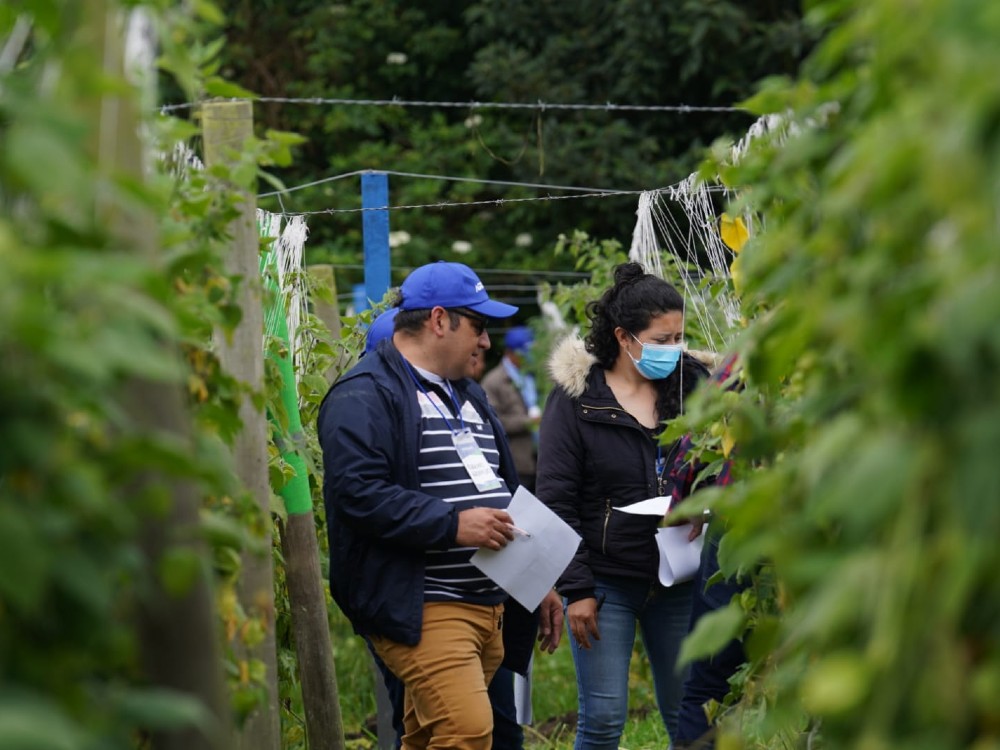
398	238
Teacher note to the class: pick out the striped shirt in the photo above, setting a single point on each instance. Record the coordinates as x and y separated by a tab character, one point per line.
449	576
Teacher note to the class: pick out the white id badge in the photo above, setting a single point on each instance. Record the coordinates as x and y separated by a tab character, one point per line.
474	461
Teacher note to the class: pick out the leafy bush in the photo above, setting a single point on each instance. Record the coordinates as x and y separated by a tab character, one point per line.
98	452
868	428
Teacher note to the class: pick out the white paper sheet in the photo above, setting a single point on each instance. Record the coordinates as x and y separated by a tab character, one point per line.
522	695
679	558
654	506
527	568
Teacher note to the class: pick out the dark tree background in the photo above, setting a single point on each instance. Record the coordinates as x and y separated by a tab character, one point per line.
696	52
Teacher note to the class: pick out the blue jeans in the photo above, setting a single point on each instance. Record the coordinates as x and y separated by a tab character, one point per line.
602	670
708	678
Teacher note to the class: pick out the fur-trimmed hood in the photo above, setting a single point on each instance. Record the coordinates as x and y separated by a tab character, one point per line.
569	365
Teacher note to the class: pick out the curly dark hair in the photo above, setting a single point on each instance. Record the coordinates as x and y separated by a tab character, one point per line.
631	303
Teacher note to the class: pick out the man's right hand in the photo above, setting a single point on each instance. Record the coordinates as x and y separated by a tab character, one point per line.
484	527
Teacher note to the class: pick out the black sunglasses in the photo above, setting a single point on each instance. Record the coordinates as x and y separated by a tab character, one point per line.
479	323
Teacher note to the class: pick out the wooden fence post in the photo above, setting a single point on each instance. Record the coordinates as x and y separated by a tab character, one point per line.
177	634
311	628
328	313
325	311
227	126
306	593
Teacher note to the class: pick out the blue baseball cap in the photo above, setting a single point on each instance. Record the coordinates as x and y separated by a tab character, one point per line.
381	328
518	339
450	285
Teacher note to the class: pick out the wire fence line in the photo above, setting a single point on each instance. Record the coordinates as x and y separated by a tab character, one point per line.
314	183
455	204
540	105
492	202
451	178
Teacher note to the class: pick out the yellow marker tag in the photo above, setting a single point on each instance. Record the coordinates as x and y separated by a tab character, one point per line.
733	232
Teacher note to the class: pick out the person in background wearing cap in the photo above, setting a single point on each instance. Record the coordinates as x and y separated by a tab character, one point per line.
417	473
380	328
512	393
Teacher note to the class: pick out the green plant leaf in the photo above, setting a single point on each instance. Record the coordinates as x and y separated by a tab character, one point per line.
713	631
219	87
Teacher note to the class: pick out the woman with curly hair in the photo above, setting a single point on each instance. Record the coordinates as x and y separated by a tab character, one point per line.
599	451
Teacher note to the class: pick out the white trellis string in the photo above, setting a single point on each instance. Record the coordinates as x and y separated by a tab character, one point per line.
181	161
286	256
709	292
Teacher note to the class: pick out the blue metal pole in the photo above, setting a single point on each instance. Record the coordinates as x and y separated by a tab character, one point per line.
360	297
375	227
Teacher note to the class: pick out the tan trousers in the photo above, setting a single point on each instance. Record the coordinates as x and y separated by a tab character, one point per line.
446	675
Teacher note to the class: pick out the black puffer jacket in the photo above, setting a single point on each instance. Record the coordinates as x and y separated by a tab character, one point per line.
594	456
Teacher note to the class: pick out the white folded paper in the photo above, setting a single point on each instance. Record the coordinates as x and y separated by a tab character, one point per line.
527	568
679	558
654	506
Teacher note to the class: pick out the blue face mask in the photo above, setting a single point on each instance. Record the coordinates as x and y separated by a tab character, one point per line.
657	361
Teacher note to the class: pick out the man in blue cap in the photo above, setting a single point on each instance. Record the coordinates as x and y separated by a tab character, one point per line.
382	328
417	475
511	391
519	624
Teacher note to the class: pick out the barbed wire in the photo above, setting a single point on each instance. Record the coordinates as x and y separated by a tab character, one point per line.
473	105
493	202
454	204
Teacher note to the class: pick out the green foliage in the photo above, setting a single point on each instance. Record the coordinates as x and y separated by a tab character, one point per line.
596	257
630	52
84	316
865	501
866	433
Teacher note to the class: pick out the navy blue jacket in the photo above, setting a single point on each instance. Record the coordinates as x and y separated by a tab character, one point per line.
380	523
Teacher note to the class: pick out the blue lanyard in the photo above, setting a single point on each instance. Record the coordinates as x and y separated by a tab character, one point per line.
661	467
451	394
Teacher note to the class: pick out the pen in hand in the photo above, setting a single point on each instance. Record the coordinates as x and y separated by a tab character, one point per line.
520	531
